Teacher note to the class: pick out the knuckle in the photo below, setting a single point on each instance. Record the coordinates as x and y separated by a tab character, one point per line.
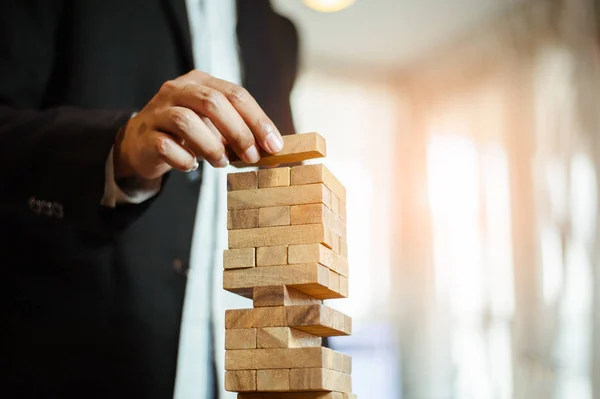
180	120
212	101
160	146
238	94
198	74
168	87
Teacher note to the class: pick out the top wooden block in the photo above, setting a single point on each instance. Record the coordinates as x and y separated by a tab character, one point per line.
296	148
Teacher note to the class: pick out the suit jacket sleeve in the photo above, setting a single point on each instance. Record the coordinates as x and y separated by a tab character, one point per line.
52	154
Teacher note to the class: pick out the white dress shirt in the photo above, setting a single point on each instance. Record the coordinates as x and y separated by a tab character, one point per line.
214	44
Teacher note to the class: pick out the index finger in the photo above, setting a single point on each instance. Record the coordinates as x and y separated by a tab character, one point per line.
264	130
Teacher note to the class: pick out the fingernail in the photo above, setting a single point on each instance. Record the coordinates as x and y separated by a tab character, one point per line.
251	155
224	161
194	166
274	143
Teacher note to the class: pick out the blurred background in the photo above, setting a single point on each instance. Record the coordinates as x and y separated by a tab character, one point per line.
467	135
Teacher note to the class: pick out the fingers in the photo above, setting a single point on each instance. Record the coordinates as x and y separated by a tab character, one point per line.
185	125
264	130
235	117
213	104
214	130
174	154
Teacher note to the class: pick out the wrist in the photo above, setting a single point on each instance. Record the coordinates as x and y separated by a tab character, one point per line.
121	164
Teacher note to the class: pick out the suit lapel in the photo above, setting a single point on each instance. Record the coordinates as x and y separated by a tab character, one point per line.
177	14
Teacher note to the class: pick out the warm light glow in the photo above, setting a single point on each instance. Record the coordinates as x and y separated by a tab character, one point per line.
328	5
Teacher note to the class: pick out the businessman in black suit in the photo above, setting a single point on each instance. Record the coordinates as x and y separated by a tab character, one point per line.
90	303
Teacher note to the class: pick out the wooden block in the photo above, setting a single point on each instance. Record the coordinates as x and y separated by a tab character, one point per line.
344	286
346	364
281	235
274	216
348	323
308	253
240	338
279	196
239	258
276	177
281	296
317	213
317	320
309	174
242	219
255	317
311	279
343	248
275	380
285	337
338	361
296	148
348	395
336	244
242	181
319	379
295	395
339	322
335	204
271	256
334	281
343	210
288	358
342	268
240	381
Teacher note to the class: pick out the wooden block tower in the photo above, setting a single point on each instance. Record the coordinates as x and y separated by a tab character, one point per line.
287	252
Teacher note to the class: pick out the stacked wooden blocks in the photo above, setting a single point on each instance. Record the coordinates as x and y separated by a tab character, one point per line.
287	252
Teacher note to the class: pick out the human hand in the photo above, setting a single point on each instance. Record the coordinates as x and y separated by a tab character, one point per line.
194	116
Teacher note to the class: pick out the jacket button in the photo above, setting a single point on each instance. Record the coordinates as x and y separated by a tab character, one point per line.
35	205
47	208
57	210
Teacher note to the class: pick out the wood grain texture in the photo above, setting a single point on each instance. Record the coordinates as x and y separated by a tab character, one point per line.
242	219
285	337
311	279
319	379
318	320
274	216
335	204
317	213
279	196
343	248
240	381
295	395
281	295
242	181
317	173
334	281
344	286
275	380
346	364
276	177
271	256
307	253
296	148
281	235
255	318
240	258
241	338
289	358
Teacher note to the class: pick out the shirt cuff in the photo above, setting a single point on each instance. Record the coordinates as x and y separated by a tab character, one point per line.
136	191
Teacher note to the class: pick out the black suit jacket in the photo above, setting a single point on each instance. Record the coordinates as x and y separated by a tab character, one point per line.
91	298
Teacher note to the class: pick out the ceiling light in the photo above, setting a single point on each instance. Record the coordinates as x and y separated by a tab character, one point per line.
328	5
